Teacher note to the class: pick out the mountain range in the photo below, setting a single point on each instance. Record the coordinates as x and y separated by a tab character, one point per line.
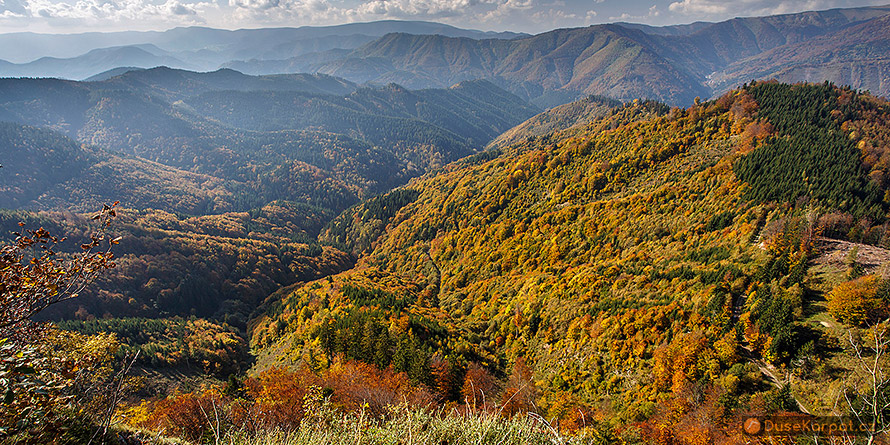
627	62
78	56
624	61
222	123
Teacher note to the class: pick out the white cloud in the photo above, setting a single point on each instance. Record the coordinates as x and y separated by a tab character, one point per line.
323	11
487	14
101	13
749	8
12	8
407	8
651	14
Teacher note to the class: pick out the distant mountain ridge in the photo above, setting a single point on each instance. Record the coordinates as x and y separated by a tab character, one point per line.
623	61
93	62
79	56
22	46
674	64
855	55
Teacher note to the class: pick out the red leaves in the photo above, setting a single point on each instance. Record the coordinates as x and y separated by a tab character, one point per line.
33	283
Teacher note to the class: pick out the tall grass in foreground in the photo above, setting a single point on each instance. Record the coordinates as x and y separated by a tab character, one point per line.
406	426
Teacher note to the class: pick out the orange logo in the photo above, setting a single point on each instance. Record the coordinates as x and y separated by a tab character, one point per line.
752	426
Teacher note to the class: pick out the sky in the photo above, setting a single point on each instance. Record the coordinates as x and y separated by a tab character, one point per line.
532	16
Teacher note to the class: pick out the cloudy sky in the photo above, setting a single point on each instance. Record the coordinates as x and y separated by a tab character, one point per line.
65	16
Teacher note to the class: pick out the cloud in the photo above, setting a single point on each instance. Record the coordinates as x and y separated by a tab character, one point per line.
323	11
81	15
722	9
462	13
427	8
651	14
12	8
102	13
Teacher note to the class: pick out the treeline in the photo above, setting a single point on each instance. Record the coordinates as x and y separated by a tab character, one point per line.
364	336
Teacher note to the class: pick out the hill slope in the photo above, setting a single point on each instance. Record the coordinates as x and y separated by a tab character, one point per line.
45	170
626	260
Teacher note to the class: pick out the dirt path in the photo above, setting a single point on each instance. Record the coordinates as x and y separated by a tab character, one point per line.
770	371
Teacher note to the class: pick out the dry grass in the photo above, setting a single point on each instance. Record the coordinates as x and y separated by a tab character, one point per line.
405	426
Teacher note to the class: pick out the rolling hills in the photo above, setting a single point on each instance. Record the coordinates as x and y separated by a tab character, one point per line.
229	125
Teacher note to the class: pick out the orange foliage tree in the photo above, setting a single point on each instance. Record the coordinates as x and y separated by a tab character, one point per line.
858	301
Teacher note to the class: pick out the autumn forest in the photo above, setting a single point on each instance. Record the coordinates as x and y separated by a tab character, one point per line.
301	259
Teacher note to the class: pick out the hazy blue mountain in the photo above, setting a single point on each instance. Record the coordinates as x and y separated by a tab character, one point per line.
456	120
173	84
105	75
309	62
208	48
94	62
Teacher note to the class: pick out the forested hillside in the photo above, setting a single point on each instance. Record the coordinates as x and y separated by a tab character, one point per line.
563	117
46	170
224	179
642	266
